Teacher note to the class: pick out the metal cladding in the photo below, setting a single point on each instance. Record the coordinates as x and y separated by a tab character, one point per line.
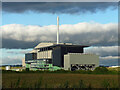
80	61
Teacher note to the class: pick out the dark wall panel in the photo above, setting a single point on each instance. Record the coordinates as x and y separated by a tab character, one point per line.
59	52
28	56
66	50
34	55
56	56
74	49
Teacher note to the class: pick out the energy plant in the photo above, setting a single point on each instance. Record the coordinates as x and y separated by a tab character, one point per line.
55	56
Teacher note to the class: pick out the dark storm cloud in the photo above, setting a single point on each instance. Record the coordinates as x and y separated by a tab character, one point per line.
57	7
10	43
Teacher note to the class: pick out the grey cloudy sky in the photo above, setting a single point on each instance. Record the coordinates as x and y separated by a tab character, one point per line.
57	7
94	34
103	37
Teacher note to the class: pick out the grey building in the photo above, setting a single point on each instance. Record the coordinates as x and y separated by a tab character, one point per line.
53	54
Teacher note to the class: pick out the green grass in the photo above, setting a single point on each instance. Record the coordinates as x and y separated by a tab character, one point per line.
58	80
101	77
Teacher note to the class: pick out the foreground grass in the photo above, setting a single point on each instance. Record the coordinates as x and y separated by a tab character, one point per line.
58	80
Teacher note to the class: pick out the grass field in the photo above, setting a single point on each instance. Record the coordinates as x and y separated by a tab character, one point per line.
58	80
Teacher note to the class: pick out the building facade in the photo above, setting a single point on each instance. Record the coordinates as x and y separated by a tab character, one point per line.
52	56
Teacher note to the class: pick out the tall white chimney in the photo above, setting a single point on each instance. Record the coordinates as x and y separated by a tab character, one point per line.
57	29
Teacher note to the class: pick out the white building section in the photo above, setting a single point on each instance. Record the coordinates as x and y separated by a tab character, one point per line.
44	54
76	61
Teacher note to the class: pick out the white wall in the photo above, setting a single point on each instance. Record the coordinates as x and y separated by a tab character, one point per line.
77	58
44	54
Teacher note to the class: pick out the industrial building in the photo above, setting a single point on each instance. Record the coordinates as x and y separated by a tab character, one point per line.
54	56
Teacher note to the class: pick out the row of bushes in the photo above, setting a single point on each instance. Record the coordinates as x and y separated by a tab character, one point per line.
98	70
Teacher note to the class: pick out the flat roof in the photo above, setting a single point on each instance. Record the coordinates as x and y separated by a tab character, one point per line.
61	45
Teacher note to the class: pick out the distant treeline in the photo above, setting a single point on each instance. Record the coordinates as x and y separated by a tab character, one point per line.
98	70
11	65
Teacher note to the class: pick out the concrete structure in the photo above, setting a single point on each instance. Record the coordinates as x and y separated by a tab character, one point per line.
76	61
58	30
23	62
49	56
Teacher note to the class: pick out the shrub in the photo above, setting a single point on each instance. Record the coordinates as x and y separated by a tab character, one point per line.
39	83
101	70
17	83
82	84
66	84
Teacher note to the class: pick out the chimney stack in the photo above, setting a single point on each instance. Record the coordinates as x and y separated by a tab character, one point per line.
57	29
